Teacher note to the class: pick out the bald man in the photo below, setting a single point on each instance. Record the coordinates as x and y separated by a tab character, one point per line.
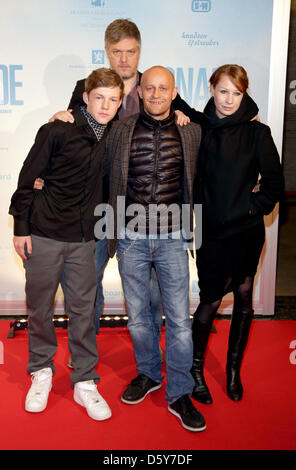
153	167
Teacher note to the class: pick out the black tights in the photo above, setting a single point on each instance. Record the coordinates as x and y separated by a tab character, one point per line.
242	316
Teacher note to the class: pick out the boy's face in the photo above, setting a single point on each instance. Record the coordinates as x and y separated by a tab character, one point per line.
102	103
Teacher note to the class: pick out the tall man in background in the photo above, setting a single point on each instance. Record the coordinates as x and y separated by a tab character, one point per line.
123	47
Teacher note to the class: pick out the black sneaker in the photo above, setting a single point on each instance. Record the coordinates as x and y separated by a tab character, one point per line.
138	389
190	417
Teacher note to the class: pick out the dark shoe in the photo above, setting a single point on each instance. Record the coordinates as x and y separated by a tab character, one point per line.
201	331
234	386
190	417
200	392
138	389
238	338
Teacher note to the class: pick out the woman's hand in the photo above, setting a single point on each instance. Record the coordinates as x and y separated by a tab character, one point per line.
181	118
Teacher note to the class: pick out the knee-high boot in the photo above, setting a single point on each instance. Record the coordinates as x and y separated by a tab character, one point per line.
200	332
238	338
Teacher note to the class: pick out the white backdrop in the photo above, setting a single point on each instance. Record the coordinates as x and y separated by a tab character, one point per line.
46	46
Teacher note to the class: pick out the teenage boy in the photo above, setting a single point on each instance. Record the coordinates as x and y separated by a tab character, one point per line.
54	235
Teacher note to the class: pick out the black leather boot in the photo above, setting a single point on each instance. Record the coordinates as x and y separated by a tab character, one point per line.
200	334
200	392
234	386
238	337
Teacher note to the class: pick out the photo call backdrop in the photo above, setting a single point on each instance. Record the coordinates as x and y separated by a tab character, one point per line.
46	46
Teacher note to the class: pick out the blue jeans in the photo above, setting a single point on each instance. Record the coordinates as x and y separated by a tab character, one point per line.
171	262
101	261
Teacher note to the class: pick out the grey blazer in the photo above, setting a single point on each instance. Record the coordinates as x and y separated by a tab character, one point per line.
118	153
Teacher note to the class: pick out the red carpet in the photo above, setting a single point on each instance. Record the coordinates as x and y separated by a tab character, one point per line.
265	418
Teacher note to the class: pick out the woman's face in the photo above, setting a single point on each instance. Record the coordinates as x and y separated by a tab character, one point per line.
227	97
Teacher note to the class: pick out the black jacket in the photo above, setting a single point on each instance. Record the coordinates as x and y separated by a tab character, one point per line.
234	151
155	168
69	159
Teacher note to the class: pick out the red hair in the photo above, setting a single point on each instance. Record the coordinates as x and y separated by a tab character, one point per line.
236	74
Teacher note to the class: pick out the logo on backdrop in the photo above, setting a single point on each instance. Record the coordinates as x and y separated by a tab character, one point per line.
194	290
97	56
201	6
193	84
97	3
10	85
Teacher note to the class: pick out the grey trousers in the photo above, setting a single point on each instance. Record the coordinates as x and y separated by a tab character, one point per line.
50	262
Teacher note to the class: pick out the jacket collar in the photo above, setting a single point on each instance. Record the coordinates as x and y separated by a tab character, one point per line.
152	123
80	119
247	110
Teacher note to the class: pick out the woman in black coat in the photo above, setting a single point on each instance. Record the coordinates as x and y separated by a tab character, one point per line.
234	152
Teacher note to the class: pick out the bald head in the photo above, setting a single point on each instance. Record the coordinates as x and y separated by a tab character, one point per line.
157	91
158	71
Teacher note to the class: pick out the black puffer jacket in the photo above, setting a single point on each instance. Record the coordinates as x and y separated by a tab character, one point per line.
155	166
235	150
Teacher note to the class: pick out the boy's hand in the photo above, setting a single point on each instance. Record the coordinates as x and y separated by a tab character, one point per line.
23	246
38	183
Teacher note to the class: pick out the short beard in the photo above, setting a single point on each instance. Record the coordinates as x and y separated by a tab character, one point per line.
129	75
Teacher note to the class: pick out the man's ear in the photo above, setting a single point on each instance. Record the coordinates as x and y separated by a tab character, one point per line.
139	90
175	92
85	97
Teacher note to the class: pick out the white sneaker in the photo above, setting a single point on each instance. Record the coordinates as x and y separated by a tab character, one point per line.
86	394
37	396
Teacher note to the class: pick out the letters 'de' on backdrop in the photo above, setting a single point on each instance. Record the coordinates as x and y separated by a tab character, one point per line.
48	46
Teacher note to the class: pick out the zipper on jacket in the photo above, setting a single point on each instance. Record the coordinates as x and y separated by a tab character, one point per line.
156	134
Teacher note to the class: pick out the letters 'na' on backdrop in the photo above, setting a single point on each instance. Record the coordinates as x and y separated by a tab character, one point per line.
49	45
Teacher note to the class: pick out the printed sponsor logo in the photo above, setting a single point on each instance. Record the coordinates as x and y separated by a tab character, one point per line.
199	40
10	84
193	84
194	287
5	177
201	6
97	3
98	56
